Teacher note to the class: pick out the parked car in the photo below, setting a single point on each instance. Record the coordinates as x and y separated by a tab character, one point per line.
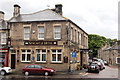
105	62
37	69
99	64
93	68
5	70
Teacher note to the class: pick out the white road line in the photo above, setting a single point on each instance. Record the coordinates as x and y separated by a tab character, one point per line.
85	74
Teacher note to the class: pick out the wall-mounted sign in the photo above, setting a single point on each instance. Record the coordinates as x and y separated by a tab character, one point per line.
40	43
73	54
65	59
3	50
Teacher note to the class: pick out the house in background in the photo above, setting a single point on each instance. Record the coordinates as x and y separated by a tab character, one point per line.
109	53
3	41
47	38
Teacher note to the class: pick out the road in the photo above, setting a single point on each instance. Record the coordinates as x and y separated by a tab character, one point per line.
106	73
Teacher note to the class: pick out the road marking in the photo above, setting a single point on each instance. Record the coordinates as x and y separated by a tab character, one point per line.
85	74
81	73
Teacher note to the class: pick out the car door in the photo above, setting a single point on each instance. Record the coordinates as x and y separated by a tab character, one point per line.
38	69
31	69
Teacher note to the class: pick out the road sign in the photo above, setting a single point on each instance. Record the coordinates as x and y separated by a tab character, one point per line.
73	54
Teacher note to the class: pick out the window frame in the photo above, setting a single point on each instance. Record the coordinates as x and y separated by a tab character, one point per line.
27	33
25	55
3	37
41	33
56	55
117	61
41	53
57	32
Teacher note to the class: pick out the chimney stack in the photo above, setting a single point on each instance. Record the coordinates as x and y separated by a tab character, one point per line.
2	15
16	10
58	8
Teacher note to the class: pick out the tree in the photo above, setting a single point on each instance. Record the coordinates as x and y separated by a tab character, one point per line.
96	41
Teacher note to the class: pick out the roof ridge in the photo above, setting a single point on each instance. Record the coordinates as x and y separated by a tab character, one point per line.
35	12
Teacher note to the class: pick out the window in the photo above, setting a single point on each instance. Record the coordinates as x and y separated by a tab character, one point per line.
71	33
26	33
31	66
41	32
79	38
117	60
41	55
3	38
37	66
57	34
26	55
56	55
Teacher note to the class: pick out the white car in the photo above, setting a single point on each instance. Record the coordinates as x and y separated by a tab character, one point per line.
5	70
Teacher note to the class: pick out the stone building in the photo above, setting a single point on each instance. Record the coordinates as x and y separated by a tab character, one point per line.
3	41
47	38
109	53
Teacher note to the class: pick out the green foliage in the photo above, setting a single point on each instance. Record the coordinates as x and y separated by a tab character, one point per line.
96	41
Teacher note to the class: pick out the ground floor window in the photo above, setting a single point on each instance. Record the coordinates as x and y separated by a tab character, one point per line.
41	55
2	59
26	55
56	55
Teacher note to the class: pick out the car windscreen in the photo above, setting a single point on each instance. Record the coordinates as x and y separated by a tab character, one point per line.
26	66
93	65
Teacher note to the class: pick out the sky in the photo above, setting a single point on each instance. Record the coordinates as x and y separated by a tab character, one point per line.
93	16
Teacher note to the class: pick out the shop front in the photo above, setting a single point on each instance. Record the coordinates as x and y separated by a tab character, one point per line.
3	57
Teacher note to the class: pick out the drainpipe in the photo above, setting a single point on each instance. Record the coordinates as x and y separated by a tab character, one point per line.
68	40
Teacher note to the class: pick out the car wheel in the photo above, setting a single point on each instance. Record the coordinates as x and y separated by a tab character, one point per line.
26	73
46	73
2	73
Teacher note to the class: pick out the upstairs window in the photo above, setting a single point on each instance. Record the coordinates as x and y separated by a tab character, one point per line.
3	38
41	32
57	34
26	33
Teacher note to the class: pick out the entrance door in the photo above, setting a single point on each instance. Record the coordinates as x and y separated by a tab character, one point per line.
81	58
13	59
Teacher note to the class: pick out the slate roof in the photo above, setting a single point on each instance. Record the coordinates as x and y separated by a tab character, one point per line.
45	15
3	24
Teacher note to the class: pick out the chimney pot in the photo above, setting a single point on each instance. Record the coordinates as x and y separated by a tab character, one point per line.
16	10
58	8
2	15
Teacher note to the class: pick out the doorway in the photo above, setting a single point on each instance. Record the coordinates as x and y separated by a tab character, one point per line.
13	61
81	58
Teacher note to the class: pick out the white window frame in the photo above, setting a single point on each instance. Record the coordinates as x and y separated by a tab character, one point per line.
25	55
57	32
41	33
27	33
41	53
71	33
3	37
57	55
79	38
116	60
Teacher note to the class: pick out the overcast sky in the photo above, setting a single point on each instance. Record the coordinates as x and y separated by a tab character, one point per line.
94	16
